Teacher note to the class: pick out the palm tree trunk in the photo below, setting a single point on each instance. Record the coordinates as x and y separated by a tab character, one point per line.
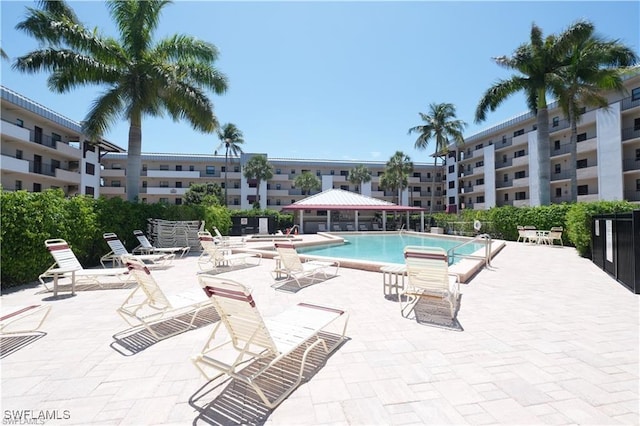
226	171
573	158
258	192
134	160
433	186
544	160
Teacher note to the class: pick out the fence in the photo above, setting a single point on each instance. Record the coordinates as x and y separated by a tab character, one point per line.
615	246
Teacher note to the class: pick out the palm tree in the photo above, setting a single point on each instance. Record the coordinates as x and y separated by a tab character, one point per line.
440	125
142	77
231	139
359	175
3	54
536	63
396	173
590	66
306	181
258	168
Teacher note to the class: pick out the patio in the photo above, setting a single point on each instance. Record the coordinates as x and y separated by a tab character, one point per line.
543	337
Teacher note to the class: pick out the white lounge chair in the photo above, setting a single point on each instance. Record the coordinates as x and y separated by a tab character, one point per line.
227	241
290	264
22	320
214	255
148	304
146	247
555	234
66	265
118	250
303	326
428	276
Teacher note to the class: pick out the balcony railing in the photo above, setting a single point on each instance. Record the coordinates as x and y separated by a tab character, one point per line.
503	163
562	149
630	133
562	124
559	176
632	195
630	164
503	184
628	103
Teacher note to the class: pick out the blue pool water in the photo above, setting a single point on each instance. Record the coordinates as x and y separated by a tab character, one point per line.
384	248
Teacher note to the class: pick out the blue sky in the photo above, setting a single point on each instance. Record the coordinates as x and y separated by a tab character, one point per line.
332	80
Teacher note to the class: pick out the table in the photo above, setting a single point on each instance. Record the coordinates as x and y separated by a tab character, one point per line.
60	272
393	278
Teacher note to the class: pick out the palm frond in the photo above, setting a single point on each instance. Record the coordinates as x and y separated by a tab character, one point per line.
104	111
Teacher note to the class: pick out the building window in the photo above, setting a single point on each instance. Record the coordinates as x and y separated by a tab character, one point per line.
452	184
236	169
558	192
318	173
144	167
582	137
278	186
636	124
18	185
178	184
55	137
480	199
417	203
637	184
178	168
581	164
89	190
635	95
192	168
505	177
521	195
583	189
452	169
637	154
518	153
479	146
90	169
332	172
480	164
19	154
178	201
415	189
416	174
519	175
144	183
556	145
236	201
344	187
164	201
278	202
164	167
452	200
19	122
144	200
479	181
115	184
506	196
518	132
344	173
555	122
37	187
211	170
278	171
504	158
164	184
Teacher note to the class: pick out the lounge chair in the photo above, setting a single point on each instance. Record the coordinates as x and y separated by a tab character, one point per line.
303	326
350	227
22	320
322	227
66	265
149	305
146	247
428	276
290	264
118	250
555	234
362	227
227	241
214	255
336	227
527	234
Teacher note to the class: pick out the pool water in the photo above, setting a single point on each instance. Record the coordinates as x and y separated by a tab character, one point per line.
385	248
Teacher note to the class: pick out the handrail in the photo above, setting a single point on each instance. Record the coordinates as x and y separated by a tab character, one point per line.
451	253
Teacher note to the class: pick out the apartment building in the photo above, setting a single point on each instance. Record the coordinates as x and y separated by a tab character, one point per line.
499	166
41	149
166	178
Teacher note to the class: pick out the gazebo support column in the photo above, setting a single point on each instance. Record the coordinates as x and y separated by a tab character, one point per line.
301	230
328	220
422	221
408	224
356	219
384	220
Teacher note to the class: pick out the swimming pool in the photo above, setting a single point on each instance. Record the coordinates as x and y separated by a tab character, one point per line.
386	248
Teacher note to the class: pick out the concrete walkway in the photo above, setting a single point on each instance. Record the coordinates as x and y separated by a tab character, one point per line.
543	337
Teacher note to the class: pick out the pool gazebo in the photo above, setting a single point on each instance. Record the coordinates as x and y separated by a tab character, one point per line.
340	200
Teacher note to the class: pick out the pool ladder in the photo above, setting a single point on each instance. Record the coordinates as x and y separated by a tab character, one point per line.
485	238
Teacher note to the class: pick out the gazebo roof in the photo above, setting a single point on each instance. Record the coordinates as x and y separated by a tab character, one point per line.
338	199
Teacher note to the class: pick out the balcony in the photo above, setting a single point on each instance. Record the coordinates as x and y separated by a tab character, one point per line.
521	161
588	197
68	176
590	172
588	145
521	182
112	190
628	103
175	174
500	163
504	184
559	176
13	131
629	165
15	165
562	124
111	173
561	150
632	195
277	192
521	203
166	191
426	179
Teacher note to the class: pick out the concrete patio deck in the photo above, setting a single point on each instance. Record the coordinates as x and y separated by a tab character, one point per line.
543	337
